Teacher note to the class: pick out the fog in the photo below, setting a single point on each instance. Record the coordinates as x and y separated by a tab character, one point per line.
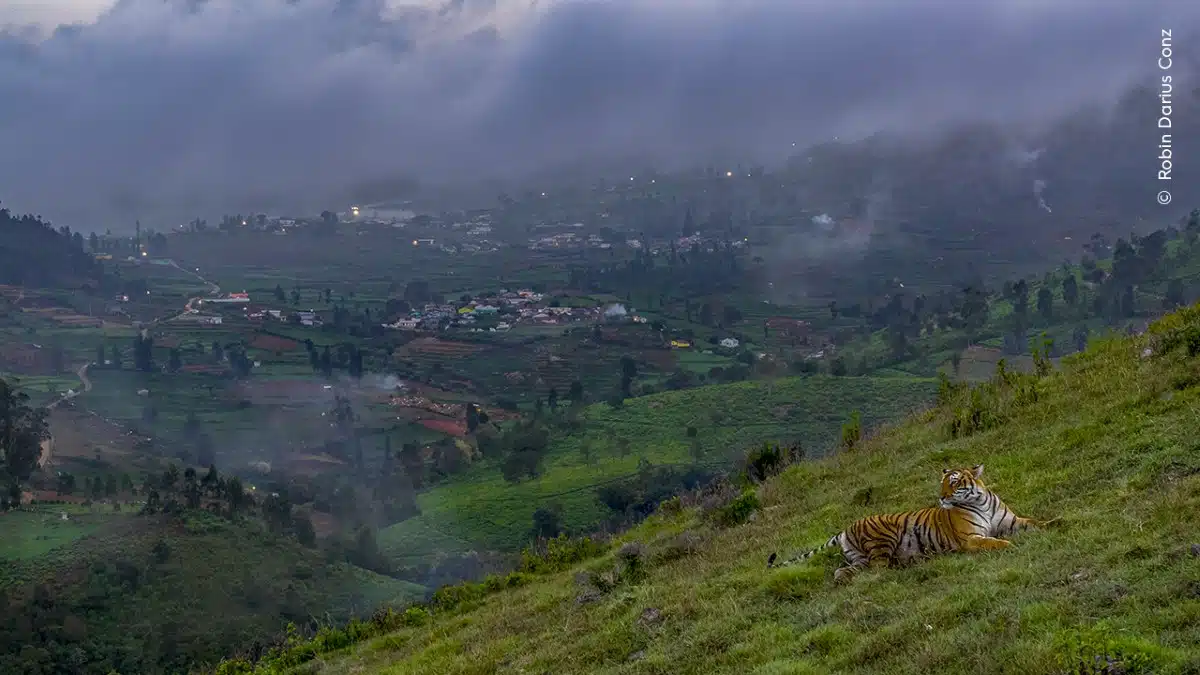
168	110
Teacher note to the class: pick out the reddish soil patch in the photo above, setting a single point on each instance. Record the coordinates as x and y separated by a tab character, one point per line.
445	426
434	346
312	465
203	369
273	343
81	434
323	523
53	496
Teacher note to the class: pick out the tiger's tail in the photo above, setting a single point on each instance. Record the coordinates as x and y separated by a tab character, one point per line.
833	541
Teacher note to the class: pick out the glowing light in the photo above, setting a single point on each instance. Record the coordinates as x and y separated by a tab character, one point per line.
414	242
728	174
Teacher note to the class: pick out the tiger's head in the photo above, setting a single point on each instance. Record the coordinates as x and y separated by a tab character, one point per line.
961	486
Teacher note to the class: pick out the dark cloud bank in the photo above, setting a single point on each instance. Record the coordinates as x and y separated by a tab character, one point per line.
169	109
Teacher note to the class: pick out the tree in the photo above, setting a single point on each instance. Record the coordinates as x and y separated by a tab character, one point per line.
343	415
897	341
413	463
279	295
326	362
306	534
731	315
1045	303
1020	297
706	314
552	399
143	353
1070	290
100	355
628	373
575	393
205	453
1175	294
472	418
547	522
116	357
236	494
176	360
837	367
295	296
22	430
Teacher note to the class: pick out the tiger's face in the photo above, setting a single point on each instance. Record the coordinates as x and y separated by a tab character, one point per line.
960	486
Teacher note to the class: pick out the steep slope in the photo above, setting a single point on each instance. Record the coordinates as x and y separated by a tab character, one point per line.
1107	443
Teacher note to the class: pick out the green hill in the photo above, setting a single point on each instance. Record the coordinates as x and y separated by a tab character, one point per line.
480	508
150	594
1107	443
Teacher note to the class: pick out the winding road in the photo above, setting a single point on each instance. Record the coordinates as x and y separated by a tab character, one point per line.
86	382
48	444
213	289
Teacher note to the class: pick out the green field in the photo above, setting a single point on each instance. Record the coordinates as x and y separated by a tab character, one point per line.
32	533
1106	444
479	508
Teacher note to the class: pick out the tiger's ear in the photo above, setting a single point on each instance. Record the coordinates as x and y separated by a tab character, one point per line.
978	470
945	471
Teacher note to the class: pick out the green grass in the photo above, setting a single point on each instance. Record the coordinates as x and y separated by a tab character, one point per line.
1107	444
221	584
481	507
31	533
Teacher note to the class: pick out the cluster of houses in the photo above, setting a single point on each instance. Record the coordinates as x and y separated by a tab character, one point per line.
498	313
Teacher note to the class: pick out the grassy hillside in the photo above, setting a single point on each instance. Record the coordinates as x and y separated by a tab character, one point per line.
1107	443
147	594
481	508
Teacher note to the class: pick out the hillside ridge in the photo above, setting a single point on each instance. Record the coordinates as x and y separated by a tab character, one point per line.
1104	443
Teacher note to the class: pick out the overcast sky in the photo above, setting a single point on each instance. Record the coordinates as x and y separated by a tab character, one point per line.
168	108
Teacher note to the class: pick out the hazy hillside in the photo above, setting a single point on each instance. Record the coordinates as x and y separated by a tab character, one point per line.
144	594
982	199
1105	443
723	420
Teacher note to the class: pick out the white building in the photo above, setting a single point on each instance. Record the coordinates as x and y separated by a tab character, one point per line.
730	343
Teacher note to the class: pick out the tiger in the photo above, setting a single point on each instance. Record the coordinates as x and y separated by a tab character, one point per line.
969	517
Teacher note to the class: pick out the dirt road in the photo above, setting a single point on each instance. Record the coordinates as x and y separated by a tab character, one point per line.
48	444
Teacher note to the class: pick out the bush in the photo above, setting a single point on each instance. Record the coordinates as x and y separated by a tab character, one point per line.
559	553
632	562
681	546
852	431
737	511
415	616
450	597
769	460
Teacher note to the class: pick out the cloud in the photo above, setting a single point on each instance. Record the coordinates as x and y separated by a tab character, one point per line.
173	109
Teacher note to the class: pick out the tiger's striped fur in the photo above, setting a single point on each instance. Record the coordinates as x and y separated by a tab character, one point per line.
969	517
